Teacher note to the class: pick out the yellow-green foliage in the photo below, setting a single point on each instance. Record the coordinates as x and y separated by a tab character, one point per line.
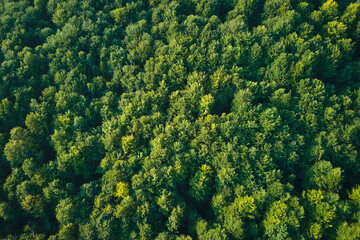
122	190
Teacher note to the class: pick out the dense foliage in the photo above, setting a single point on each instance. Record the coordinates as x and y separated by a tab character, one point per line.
182	119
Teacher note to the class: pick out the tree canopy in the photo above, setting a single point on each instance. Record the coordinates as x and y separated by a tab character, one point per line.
179	119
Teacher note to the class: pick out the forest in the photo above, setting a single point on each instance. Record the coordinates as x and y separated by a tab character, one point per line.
179	119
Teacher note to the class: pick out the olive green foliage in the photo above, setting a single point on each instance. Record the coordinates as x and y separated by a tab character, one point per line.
179	119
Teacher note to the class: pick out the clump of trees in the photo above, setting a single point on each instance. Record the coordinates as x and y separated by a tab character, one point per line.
179	119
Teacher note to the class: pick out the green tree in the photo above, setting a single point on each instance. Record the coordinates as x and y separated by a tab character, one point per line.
201	183
324	177
20	147
66	211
